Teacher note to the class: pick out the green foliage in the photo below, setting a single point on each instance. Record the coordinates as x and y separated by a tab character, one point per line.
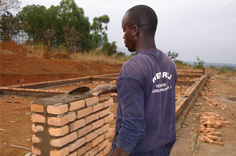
62	25
121	54
213	67
99	28
223	70
9	6
172	55
10	25
180	62
72	19
34	21
109	48
199	64
58	25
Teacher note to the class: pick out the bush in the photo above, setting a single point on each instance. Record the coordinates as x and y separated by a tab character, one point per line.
223	70
199	64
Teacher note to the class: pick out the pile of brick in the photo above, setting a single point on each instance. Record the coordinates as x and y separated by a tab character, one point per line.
214	102
71	126
209	122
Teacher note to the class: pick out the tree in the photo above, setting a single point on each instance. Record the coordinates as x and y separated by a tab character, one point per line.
9	24
199	64
99	28
172	55
109	48
72	36
52	22
73	16
9	6
33	17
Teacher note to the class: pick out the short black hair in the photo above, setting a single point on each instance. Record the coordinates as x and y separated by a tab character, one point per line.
144	17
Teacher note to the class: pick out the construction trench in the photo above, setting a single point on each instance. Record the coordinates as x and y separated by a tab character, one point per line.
83	124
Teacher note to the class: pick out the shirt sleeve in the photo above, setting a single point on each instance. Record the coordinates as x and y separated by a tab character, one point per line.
131	101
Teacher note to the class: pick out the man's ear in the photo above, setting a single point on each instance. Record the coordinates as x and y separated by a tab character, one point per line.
135	30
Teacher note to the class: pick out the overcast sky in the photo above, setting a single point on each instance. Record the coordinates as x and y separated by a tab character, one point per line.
203	28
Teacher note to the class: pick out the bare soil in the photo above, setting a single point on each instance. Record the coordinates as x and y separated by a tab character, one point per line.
15	121
225	94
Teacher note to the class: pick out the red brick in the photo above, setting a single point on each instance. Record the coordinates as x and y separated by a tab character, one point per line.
57	110
91	118
98	107
85	130
58	131
37	108
77	144
60	121
38	118
63	140
97	140
92	152
97	124
73	154
36	150
103	129
103	144
104	112
35	139
91	101
107	149
109	133
109	118
84	112
84	149
109	102
77	105
91	136
77	124
37	128
62	152
100	153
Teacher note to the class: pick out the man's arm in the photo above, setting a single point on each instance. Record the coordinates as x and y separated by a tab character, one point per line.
120	152
104	89
131	106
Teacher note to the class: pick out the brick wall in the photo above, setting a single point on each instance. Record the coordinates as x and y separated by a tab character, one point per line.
67	125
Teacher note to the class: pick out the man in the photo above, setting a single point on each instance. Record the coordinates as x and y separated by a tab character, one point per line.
145	124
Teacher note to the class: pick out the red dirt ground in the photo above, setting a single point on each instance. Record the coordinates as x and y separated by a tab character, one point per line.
14	68
15	122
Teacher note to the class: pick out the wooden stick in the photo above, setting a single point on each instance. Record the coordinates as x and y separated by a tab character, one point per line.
20	147
198	138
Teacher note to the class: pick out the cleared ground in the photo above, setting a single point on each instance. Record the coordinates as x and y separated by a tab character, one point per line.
15	122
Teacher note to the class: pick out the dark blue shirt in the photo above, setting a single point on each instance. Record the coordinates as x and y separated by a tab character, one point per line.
146	103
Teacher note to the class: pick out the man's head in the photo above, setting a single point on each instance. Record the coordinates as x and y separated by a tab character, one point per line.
138	19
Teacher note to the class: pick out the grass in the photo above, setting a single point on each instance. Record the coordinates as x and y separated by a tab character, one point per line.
98	57
60	53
